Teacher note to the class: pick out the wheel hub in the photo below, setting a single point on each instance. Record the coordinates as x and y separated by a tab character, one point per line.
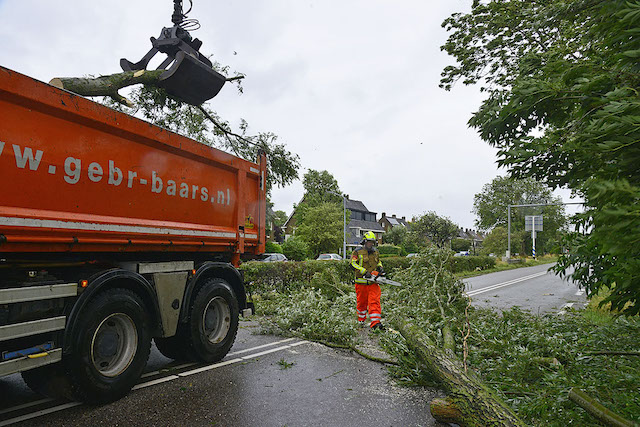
114	344
216	320
107	344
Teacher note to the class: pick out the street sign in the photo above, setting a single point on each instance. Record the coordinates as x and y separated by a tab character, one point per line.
533	223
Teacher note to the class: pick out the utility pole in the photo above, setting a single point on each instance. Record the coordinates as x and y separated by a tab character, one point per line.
344	223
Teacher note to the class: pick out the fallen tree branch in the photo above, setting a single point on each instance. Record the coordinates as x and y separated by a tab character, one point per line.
469	400
238	77
360	352
108	85
596	409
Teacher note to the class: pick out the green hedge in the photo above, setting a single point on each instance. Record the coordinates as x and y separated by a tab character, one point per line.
472	263
390	250
279	276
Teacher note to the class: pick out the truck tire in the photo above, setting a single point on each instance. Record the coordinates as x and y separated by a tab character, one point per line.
111	346
172	347
213	321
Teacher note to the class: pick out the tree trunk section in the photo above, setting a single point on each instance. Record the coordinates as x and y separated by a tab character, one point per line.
596	409
469	399
445	411
107	85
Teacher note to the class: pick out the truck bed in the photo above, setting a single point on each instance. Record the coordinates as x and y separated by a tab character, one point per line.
76	176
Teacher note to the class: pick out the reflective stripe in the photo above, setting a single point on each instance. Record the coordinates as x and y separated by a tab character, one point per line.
359	280
375	316
361	311
354	264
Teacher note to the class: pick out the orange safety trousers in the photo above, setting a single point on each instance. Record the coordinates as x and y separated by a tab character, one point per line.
368	300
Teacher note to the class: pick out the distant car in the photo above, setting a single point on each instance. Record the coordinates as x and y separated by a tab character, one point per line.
274	257
411	255
462	253
327	257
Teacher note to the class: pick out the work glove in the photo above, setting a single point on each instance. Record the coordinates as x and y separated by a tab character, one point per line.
381	271
367	275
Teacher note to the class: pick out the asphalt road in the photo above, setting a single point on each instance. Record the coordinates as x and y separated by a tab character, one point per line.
264	381
531	288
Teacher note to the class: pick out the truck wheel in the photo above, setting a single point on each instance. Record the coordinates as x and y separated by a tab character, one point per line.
172	347
111	346
213	321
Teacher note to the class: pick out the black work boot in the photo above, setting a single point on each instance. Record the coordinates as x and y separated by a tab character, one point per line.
378	326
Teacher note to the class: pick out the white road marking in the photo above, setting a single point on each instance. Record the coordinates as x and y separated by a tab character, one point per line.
503	284
150	383
209	367
39	413
186	365
26	405
262	353
261	346
154	382
172	368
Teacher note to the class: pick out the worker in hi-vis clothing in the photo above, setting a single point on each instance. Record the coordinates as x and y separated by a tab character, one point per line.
365	260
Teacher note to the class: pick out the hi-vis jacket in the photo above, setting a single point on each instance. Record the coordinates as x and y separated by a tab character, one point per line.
364	261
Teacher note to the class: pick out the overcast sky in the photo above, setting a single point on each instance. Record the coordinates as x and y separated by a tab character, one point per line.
350	86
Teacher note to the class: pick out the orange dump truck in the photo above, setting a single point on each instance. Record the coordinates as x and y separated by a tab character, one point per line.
114	232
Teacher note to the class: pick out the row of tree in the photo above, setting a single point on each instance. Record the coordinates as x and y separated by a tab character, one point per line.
319	221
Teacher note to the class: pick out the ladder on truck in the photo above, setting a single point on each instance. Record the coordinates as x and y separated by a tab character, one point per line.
43	350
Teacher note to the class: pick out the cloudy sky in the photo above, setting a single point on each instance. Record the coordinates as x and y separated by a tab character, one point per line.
350	86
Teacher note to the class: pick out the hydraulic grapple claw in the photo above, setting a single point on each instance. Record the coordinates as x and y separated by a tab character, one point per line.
189	75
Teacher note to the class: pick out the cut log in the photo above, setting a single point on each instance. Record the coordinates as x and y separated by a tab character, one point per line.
445	411
469	400
596	409
107	85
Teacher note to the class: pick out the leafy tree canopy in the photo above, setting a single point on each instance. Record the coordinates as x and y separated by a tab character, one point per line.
295	249
433	228
395	236
279	218
320	187
322	228
490	206
562	81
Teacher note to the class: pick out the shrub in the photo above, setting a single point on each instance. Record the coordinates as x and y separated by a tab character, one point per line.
295	249
472	263
389	250
272	247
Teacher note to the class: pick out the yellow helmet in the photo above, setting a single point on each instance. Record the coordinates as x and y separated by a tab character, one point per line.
369	236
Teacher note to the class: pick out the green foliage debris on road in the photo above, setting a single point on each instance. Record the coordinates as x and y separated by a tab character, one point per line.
514	351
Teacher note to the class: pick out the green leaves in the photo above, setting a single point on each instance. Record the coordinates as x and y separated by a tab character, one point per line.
563	107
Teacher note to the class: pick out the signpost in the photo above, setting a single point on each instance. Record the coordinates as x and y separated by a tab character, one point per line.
508	254
533	223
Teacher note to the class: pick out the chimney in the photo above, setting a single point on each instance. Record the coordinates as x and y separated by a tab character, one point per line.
404	219
393	216
384	215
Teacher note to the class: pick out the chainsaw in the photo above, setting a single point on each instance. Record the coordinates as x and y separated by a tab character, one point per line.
381	280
